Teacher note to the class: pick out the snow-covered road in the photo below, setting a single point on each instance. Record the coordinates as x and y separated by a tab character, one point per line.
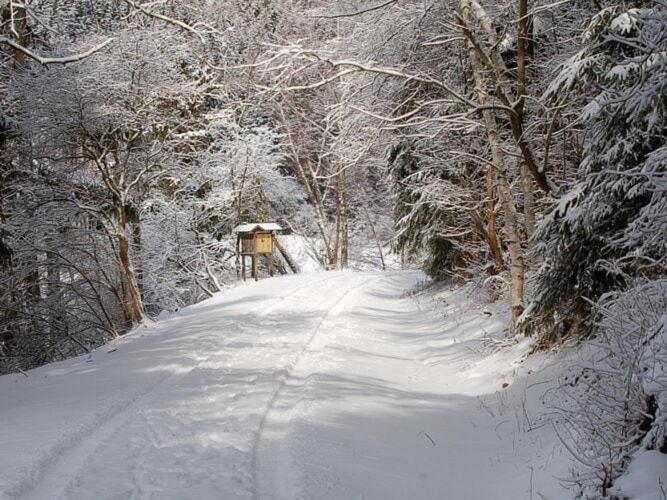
328	385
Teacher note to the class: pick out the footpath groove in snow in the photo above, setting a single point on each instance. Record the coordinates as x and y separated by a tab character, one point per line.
323	386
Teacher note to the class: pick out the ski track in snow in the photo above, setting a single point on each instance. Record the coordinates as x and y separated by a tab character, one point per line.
320	386
63	466
332	311
58	469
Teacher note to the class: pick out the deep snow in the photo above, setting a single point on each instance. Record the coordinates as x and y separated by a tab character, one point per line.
323	385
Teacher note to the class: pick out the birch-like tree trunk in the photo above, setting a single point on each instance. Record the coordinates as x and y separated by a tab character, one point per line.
523	44
497	70
511	223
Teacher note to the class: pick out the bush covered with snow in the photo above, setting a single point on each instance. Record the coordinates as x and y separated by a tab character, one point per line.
613	403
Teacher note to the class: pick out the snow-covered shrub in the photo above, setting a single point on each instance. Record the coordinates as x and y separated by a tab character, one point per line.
615	402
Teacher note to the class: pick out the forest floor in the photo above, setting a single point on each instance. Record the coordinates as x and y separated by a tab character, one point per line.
327	385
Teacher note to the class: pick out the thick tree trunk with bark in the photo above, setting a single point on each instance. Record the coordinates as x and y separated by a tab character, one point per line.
133	293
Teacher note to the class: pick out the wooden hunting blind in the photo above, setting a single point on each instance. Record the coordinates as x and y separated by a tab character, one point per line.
254	239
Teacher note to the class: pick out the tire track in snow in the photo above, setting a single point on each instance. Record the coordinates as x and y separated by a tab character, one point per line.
56	471
334	310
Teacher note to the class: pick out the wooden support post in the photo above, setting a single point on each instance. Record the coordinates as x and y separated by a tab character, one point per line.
243	266
254	266
237	263
270	257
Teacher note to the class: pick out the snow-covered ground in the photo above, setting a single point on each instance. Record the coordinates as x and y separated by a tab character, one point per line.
322	385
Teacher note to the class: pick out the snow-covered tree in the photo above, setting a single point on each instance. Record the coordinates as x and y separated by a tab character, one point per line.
609	227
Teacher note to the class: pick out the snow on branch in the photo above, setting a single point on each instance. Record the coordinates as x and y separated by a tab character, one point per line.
346	67
166	19
359	12
54	60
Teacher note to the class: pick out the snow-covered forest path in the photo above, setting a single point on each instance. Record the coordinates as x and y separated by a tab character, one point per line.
329	385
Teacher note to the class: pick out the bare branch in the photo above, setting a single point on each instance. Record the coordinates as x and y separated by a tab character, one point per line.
359	12
166	19
54	60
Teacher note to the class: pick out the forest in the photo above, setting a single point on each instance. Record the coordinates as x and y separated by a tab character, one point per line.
515	144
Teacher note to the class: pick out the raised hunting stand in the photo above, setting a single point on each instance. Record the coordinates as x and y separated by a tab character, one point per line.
256	239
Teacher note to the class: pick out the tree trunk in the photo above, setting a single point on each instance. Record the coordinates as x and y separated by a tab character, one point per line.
263	210
498	71
523	44
133	293
378	243
311	188
136	236
528	202
504	189
521	55
20	25
318	205
342	239
491	230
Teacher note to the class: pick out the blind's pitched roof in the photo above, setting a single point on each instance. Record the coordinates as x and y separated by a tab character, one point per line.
249	227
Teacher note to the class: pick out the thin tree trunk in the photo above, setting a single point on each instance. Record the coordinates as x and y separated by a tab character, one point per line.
521	56
523	44
316	201
342	240
331	252
378	243
287	257
263	210
528	202
491	230
136	236
21	29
